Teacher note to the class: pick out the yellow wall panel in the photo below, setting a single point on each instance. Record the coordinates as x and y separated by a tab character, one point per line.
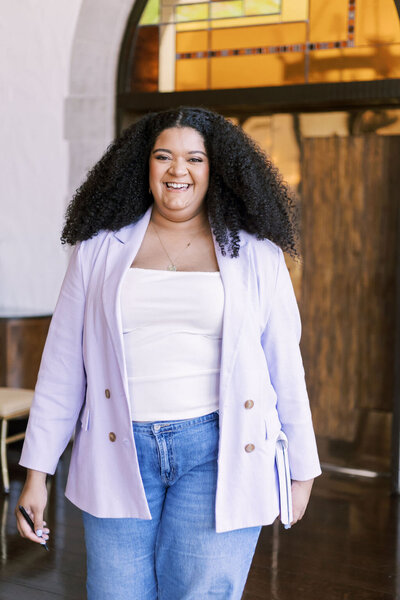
377	22
355	64
295	10
191	74
257	70
196	25
245	21
191	41
292	10
252	37
328	20
262	7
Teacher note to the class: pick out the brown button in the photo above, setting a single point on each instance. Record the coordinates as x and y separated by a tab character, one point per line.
249	447
107	393
249	404
112	437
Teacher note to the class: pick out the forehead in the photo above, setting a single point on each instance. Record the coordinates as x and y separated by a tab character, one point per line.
181	139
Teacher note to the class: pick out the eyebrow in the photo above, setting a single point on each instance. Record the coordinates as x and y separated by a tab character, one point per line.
169	151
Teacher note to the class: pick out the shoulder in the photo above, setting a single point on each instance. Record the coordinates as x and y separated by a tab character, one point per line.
86	253
263	251
90	247
265	260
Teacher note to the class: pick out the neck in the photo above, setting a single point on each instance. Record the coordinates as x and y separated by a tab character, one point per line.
191	224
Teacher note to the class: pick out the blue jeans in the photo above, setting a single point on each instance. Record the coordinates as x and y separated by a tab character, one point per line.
177	555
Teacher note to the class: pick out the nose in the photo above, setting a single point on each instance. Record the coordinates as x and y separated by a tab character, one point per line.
178	168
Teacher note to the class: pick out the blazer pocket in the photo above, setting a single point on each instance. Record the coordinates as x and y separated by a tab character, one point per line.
85	417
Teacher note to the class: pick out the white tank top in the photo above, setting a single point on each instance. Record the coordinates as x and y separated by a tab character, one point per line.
172	331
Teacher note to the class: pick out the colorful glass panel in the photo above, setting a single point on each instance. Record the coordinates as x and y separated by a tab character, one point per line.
192	26
250	70
191	12
254	37
262	7
151	14
213	44
328	20
376	23
191	74
355	64
192	41
220	10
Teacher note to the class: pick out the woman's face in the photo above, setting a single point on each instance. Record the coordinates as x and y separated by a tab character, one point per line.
179	173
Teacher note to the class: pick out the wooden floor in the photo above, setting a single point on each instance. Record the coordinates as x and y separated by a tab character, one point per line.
346	548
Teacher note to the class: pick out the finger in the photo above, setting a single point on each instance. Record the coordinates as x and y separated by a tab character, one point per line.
38	523
25	531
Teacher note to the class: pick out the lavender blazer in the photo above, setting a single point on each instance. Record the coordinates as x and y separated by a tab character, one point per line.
82	384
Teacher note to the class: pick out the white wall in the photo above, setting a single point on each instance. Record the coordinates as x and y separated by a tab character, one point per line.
36	41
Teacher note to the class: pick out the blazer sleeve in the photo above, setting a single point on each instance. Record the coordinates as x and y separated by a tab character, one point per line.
61	384
280	340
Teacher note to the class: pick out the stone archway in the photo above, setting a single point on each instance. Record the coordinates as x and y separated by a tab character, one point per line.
90	106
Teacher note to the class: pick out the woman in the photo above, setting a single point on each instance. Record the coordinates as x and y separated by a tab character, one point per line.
174	350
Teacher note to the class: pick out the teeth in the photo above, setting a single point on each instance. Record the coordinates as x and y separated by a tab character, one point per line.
178	186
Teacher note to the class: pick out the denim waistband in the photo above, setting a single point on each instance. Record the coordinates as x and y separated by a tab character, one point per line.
177	425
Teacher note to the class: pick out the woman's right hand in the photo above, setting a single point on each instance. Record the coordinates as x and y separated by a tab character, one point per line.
33	498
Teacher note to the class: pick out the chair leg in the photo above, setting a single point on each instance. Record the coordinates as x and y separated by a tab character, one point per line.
3	452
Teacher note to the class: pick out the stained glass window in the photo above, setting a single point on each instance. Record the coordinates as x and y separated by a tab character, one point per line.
214	44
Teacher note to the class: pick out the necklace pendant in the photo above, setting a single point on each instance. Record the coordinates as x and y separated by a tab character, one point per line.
171	268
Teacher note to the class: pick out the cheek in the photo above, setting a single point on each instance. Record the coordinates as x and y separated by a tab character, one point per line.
155	170
206	178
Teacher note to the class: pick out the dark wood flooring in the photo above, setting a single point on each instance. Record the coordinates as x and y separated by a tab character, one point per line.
346	548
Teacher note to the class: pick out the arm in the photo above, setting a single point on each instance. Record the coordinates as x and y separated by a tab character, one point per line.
58	398
280	340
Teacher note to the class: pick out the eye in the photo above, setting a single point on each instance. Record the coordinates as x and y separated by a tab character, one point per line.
161	157
195	160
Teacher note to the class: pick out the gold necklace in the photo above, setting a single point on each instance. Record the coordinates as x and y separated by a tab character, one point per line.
172	266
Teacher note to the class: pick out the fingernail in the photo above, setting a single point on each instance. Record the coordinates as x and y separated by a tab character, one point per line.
39	532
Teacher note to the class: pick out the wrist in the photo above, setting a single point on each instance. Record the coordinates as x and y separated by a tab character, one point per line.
306	484
33	477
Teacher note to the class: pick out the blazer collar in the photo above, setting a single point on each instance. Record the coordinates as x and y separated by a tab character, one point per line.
125	233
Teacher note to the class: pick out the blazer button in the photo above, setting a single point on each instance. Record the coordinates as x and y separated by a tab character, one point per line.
112	437
107	393
249	404
249	447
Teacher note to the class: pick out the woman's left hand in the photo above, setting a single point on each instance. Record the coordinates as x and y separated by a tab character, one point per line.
301	491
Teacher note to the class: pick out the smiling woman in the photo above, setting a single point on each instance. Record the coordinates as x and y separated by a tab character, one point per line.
178	367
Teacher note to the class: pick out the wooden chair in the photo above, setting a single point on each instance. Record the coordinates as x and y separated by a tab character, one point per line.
14	403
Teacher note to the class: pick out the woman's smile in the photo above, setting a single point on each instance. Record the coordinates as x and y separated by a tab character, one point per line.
177	187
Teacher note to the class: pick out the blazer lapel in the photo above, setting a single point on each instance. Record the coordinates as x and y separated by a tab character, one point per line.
235	279
123	247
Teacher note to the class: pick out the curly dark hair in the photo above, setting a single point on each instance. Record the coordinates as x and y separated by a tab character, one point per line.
245	189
